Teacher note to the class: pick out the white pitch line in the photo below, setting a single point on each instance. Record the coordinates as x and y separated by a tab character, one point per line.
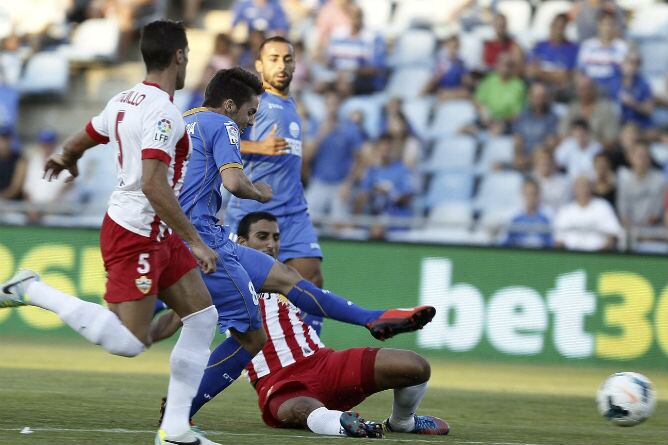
225	433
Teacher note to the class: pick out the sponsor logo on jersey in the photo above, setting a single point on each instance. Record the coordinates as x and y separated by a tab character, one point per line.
294	129
279	106
163	130
143	283
232	134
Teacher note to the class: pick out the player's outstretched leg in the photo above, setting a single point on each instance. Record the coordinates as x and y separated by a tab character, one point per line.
407	374
313	300
94	322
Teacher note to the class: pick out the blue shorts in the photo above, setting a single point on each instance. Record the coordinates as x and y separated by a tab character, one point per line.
232	286
298	236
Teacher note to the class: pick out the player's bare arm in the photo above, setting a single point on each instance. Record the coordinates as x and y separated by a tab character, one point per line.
272	145
161	196
237	183
73	148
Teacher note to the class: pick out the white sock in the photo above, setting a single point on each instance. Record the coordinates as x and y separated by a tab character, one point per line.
187	363
325	421
406	401
95	323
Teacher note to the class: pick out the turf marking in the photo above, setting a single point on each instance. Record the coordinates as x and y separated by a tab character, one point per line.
224	433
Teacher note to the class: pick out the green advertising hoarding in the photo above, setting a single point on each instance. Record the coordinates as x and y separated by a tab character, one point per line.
496	304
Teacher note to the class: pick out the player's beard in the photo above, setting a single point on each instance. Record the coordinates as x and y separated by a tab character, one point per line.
282	85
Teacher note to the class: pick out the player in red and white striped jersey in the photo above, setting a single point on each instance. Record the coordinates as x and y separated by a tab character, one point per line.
303	384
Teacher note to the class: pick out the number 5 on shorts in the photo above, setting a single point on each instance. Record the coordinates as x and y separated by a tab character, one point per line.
144	266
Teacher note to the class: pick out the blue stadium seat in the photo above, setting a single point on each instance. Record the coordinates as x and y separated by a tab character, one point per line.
453	154
499	190
418	111
456	214
449	187
408	82
451	116
498	149
94	40
45	72
415	47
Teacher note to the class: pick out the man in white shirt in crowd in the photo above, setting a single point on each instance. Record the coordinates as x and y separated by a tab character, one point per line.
576	153
588	223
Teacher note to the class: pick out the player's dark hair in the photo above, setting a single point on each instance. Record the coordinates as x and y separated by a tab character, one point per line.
235	83
160	40
273	39
243	229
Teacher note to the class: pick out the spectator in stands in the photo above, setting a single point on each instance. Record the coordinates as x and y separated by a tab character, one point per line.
554	60
9	109
600	113
630	89
35	189
12	166
333	15
536	126
642	190
249	52
604	181
530	228
619	152
10	60
451	79
222	57
500	95
660	115
600	57
587	223
387	187
554	186
405	144
576	153
335	153
357	55
587	12
261	15
502	43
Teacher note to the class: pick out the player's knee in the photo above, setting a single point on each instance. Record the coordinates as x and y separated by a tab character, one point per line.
317	278
416	368
422	369
251	341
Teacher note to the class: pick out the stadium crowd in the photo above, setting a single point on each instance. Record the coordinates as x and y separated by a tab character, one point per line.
509	122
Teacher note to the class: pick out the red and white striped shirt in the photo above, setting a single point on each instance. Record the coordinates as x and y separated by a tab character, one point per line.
141	123
289	338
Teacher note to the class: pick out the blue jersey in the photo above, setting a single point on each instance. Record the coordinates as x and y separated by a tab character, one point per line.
282	173
215	141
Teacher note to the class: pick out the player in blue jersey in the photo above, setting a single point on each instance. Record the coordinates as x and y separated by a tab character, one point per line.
278	131
230	103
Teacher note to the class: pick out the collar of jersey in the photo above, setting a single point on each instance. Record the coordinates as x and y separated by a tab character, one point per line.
153	84
269	89
195	110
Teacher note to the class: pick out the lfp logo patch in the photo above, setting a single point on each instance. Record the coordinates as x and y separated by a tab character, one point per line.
163	130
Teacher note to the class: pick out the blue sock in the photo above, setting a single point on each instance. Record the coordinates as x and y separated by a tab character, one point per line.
226	363
315	321
315	301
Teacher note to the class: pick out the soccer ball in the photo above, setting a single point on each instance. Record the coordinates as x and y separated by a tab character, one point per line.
626	398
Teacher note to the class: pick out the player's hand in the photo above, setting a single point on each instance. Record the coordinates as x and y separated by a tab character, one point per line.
273	145
265	191
56	164
206	257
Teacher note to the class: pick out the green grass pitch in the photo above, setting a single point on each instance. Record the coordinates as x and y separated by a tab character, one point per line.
73	393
